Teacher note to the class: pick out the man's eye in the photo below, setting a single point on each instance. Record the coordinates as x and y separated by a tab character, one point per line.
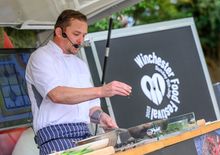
76	34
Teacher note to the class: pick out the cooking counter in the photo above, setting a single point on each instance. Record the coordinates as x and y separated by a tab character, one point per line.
204	138
172	140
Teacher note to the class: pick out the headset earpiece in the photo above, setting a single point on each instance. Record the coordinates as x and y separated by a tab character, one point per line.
64	35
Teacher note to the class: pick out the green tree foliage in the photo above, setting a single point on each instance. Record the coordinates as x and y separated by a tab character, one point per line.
147	11
150	11
1	37
206	14
207	18
22	38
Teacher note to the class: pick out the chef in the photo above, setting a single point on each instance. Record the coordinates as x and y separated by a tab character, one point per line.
62	97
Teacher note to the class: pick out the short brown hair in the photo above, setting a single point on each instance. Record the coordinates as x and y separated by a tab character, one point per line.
64	18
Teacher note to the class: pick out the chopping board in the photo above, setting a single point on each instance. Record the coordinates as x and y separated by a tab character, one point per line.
104	151
96	145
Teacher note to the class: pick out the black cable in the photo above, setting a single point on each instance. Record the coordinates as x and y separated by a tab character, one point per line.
45	40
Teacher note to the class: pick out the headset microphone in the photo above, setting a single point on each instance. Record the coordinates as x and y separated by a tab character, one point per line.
74	45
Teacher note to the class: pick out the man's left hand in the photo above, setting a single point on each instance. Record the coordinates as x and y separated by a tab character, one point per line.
107	122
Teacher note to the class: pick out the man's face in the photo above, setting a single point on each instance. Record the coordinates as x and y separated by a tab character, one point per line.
76	33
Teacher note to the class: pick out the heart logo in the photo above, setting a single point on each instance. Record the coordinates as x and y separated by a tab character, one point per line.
154	88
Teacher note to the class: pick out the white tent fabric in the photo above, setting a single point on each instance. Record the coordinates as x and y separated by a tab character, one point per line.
41	14
25	144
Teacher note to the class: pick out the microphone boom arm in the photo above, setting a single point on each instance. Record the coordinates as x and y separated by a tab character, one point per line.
107	50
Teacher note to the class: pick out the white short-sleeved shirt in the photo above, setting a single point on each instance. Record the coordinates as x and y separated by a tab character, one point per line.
47	68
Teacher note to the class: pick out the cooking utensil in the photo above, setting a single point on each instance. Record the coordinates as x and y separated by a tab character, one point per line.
147	129
124	136
155	128
107	129
111	135
96	145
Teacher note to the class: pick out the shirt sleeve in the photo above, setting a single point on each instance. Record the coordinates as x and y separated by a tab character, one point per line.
95	102
42	73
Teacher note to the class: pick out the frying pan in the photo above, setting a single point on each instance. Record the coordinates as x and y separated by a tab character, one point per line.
111	135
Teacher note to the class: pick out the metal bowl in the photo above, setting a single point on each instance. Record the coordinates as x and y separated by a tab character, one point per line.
111	135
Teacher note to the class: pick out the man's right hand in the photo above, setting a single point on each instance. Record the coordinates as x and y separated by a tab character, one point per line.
115	88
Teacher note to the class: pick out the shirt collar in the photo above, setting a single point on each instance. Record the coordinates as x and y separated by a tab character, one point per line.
57	49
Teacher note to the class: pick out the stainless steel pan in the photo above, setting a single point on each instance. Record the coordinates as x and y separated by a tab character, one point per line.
111	135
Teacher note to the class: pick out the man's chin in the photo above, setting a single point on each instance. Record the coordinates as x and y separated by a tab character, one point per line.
74	52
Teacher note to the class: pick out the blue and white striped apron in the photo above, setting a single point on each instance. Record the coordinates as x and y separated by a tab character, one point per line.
61	137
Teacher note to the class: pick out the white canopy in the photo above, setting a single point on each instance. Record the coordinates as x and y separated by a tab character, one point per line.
41	14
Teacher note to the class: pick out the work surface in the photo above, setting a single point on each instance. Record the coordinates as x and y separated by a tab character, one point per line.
171	140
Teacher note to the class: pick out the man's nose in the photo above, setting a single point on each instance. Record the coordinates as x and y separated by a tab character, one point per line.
80	40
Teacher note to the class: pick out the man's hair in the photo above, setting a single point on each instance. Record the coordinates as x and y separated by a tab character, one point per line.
66	16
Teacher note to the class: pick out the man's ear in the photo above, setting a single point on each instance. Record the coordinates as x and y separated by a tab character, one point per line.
58	32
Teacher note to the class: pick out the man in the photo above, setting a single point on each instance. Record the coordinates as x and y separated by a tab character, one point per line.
63	99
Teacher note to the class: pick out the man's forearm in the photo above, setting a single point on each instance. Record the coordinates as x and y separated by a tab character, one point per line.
68	95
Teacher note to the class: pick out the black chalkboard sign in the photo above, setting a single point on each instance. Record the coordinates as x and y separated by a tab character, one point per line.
164	64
